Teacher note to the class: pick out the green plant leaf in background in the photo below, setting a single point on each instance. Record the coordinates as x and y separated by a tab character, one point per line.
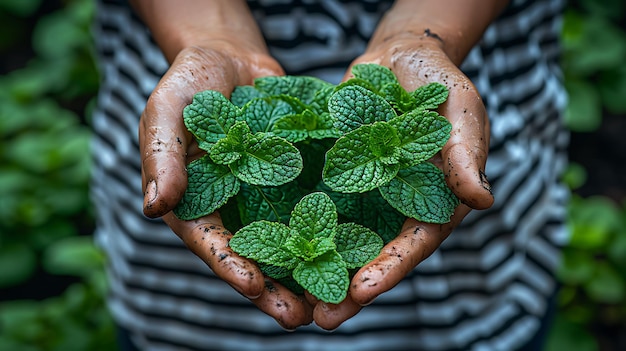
593	221
75	255
584	110
17	263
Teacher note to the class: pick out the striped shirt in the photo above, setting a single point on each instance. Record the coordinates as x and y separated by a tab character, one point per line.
485	288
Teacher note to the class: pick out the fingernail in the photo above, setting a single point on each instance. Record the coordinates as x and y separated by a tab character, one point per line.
484	182
150	194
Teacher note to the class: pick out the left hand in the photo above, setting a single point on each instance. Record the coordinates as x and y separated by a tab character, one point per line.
418	61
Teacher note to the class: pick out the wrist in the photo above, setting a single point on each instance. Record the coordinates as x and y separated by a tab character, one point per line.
199	23
454	26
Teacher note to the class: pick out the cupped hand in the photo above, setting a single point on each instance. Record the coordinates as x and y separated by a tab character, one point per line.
167	147
418	61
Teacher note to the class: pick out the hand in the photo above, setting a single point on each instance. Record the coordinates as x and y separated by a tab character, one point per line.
418	61
167	147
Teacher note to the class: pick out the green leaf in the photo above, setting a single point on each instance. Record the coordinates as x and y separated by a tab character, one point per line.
73	256
566	334
354	106
355	81
421	192
351	166
308	250
325	128
594	46
584	109
18	262
593	221
320	100
209	117
357	245
576	267
315	216
244	94
274	272
371	210
325	278
269	203
229	149
264	241
422	134
260	114
303	88
398	97
607	285
430	96
384	142
377	75
575	175
268	160
209	187
306	125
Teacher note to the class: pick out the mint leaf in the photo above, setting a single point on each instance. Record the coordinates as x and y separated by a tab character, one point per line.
274	272
260	114
356	81
243	94
357	245
209	187
263	242
230	148
308	250
398	97
268	160
209	117
354	106
314	216
430	96
421	192
371	210
319	104
270	203
377	75
326	277
301	87
422	134
306	125
384	142
351	166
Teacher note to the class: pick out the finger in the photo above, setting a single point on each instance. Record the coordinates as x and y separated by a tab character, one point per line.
163	137
464	156
416	241
163	145
288	309
310	298
208	239
330	316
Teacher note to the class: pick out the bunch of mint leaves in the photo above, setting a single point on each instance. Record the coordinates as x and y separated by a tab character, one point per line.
315	177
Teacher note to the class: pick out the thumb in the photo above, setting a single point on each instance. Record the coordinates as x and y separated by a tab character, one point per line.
163	145
465	154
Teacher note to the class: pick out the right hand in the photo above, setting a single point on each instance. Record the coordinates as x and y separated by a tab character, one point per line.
167	147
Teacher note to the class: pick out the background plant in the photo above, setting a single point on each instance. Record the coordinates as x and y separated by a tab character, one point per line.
591	312
51	275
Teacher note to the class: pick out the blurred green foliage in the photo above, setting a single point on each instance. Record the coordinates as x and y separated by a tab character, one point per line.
592	300
45	212
594	53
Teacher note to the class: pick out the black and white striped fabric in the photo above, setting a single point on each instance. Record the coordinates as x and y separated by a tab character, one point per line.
486	288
